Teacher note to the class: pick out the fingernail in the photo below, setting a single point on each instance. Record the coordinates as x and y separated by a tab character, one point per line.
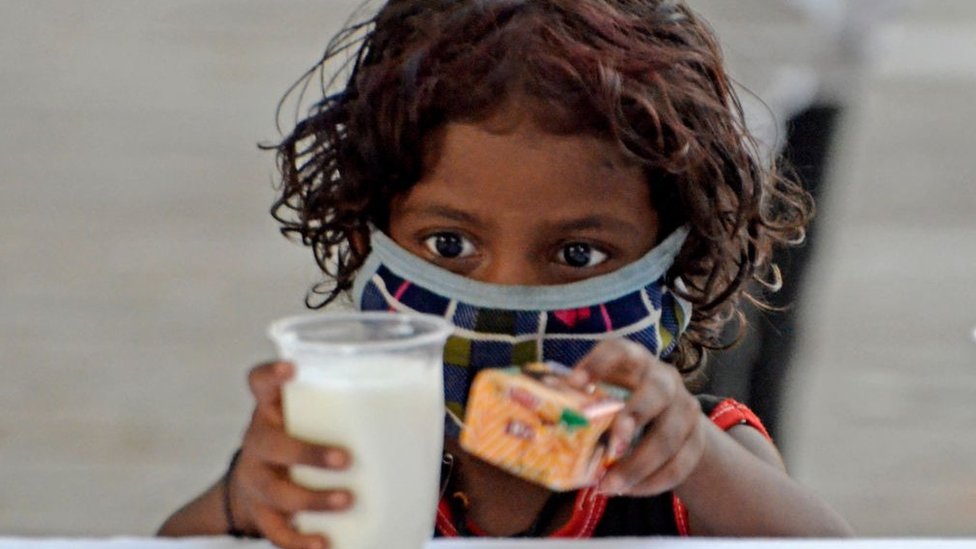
618	448
336	459
316	544
339	499
624	430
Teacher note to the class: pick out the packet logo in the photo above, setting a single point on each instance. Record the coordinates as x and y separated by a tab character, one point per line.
520	430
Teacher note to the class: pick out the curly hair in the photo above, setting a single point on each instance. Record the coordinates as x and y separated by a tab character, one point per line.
644	74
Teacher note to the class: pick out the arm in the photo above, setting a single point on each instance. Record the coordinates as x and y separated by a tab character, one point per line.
733	484
741	488
261	496
203	515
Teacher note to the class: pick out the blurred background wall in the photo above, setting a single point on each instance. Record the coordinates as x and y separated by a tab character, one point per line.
139	267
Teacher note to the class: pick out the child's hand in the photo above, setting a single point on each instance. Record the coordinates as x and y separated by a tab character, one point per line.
674	439
263	498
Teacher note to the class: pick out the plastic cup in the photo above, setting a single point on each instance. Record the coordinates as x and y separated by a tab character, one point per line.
371	383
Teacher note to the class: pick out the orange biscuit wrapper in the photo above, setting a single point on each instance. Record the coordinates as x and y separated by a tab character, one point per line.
531	423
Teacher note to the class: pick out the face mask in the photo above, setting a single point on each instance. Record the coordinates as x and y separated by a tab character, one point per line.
503	325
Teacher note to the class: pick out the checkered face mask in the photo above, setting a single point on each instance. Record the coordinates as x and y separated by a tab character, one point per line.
503	325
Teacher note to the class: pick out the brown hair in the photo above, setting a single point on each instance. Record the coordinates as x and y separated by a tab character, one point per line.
646	74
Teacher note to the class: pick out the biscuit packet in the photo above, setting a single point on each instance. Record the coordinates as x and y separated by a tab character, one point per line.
531	423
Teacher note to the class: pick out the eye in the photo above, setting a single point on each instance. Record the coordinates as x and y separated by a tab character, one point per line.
449	245
579	255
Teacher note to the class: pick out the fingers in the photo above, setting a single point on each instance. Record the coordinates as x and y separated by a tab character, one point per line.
273	489
271	498
673	440
617	361
277	529
665	455
266	438
267	442
674	472
653	396
265	381
263	488
652	383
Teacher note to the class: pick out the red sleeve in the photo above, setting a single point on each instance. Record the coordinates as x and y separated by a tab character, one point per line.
730	413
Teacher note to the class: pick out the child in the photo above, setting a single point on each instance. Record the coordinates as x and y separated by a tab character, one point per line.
574	170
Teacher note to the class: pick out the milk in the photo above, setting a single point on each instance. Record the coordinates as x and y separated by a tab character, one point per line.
387	410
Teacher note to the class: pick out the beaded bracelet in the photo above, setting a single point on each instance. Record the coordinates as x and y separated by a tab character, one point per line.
232	529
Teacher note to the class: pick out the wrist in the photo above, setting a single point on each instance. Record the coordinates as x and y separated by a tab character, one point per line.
700	471
236	526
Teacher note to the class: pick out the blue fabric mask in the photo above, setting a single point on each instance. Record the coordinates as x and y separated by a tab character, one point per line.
503	325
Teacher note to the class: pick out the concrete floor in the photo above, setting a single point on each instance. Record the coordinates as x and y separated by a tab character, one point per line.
139	268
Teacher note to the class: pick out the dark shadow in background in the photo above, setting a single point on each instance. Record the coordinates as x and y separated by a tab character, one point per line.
758	370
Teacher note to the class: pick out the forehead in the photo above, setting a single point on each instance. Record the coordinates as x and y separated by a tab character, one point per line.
509	166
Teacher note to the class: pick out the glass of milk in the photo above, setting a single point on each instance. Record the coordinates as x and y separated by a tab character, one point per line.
371	383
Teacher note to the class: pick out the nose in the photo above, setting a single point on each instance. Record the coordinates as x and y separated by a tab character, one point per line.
510	269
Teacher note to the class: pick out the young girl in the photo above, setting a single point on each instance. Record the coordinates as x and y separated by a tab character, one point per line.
563	180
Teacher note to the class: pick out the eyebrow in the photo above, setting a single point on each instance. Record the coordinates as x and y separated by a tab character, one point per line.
597	222
445	212
590	222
